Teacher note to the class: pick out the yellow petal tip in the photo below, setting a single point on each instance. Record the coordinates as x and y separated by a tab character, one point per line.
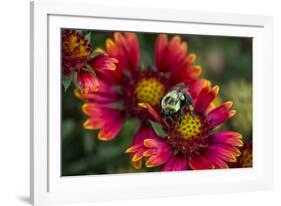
232	113
129	150
216	89
99	50
109	42
193	57
229	104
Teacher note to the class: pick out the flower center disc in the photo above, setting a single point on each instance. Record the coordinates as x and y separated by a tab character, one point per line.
246	159
190	127
77	46
149	90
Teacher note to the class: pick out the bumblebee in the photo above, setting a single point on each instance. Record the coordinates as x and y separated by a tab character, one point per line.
175	103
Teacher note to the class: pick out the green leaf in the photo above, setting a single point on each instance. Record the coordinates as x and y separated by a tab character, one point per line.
67	81
158	128
75	81
88	68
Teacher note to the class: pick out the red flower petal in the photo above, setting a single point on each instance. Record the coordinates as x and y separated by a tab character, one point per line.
125	48
109	121
110	76
133	49
220	114
152	111
186	73
143	133
133	148
162	152
200	163
224	152
150	152
99	98
91	109
111	129
176	163
169	56
151	143
176	52
137	149
234	150
206	96
215	159
88	82
160	46
227	137
104	96
103	62
192	73
196	87
93	123
105	68
219	152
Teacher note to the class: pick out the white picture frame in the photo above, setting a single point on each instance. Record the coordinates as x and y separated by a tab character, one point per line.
47	186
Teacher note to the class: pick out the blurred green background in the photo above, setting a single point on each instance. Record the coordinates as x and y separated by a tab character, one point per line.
226	61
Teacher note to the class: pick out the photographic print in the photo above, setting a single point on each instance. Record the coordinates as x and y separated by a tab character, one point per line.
154	102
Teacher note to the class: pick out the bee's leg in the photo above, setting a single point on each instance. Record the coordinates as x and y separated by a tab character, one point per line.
166	122
189	104
169	120
181	114
165	117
